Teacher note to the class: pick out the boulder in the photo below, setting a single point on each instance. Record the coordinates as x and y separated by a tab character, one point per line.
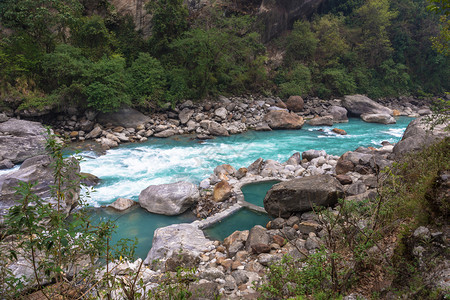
169	240
214	128
21	140
241	173
185	115
126	117
321	121
360	104
166	133
256	166
295	103
39	170
418	135
6	164
122	204
378	118
283	120
300	195
95	133
169	199
224	169
221	112
294	160
339	114
311	154
222	191
89	179
257	236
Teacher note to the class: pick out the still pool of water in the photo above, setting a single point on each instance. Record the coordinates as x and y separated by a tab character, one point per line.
137	222
254	193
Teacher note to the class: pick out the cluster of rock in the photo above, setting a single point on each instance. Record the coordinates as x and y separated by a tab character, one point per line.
232	268
228	116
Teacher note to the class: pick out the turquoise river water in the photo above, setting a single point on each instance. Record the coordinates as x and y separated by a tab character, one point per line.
128	169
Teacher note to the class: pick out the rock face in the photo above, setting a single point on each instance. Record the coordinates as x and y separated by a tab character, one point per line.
135	9
169	240
277	16
283	120
20	139
38	169
360	104
418	135
169	199
378	118
126	117
295	103
297	195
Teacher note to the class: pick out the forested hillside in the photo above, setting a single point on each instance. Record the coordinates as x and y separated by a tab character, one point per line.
85	54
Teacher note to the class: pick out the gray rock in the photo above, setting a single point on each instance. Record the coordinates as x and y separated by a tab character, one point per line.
166	133
169	240
360	104
378	118
339	114
417	135
185	115
122	204
294	160
214	128
256	166
283	120
211	274
298	195
356	188
205	183
95	133
257	235
321	121
108	143
6	164
221	112
39	170
240	276
266	259
311	154
24	139
3	117
125	117
169	199
312	243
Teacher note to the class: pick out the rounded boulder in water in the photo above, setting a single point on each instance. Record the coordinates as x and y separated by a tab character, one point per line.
169	199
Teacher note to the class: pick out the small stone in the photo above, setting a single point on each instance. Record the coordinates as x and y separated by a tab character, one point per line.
339	131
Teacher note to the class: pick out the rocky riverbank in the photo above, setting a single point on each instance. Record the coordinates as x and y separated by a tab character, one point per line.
203	119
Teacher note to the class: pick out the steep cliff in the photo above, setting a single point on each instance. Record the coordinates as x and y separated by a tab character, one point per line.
275	15
279	15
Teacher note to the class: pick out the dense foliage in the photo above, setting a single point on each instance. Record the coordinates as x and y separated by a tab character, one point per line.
59	52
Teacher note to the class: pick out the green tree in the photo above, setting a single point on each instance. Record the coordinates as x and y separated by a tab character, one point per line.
93	37
442	42
301	43
169	21
147	80
374	19
106	84
46	21
297	82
